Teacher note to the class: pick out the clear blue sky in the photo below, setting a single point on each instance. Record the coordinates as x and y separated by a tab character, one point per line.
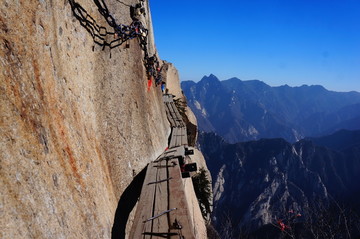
292	42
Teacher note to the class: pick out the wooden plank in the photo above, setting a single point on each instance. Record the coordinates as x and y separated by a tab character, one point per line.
184	140
184	137
173	116
172	122
178	200
144	209
153	201
158	171
173	138
167	98
160	224
175	152
169	116
172	152
159	194
175	113
178	137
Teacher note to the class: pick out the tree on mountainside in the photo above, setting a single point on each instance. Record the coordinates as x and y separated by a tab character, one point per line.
202	187
320	220
332	221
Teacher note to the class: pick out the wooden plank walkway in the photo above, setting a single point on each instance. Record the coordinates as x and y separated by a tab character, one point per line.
163	210
178	127
162	206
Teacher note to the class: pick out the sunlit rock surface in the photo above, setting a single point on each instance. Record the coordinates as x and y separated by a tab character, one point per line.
76	125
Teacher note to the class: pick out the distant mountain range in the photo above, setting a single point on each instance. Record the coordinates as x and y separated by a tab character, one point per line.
249	110
257	182
271	150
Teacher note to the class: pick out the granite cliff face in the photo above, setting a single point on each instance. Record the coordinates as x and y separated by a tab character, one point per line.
76	124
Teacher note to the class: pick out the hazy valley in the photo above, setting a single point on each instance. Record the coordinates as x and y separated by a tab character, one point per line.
249	110
275	150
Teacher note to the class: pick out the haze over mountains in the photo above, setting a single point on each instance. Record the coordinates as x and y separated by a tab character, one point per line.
257	182
249	110
303	147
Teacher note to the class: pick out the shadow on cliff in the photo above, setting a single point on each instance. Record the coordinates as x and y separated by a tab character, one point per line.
126	204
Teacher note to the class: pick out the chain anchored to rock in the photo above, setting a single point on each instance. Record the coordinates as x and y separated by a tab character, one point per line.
120	33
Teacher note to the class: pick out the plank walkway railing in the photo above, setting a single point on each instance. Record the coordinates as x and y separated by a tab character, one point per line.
163	210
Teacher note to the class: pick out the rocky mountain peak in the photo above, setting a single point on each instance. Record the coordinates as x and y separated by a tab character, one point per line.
211	79
249	110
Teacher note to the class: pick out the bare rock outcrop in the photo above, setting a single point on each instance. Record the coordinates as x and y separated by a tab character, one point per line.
77	122
171	77
76	125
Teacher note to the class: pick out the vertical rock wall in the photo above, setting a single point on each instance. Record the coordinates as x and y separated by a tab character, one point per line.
76	125
172	79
